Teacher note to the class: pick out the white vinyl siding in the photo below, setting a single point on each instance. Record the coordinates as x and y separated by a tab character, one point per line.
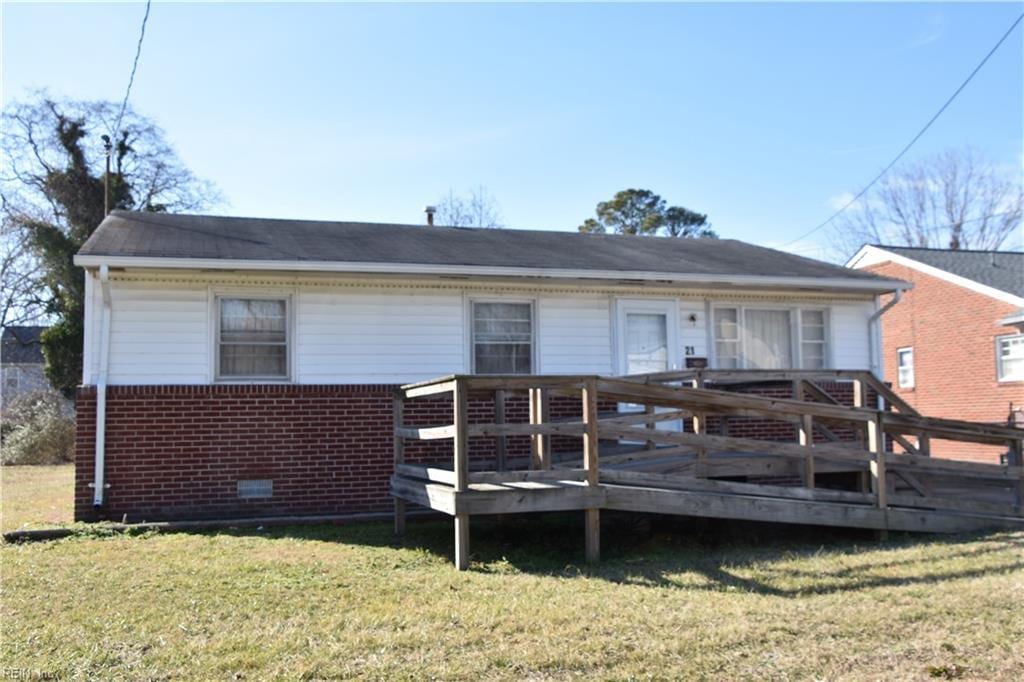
370	337
165	332
574	334
158	334
1010	357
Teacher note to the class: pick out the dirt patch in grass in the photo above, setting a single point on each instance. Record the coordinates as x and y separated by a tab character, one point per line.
34	496
671	598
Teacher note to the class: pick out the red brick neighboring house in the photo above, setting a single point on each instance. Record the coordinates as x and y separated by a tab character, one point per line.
953	346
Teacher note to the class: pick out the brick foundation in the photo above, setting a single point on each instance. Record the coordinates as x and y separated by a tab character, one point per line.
178	452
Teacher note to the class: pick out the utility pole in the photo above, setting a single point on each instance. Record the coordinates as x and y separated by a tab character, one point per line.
106	176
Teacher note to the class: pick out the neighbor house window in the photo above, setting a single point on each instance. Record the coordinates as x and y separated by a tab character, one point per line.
252	338
768	338
502	337
905	367
1010	357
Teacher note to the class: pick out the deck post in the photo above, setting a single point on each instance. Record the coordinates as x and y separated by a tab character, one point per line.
879	485
876	444
590	463
460	407
539	444
501	443
861	431
650	444
807	440
1016	459
399	411
700	427
924	445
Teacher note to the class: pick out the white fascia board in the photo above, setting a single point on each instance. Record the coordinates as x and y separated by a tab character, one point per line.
826	283
871	255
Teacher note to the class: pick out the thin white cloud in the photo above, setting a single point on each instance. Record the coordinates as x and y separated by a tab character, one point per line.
933	30
840	200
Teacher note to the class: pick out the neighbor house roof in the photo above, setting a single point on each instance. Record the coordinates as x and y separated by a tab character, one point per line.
999	274
164	240
20	345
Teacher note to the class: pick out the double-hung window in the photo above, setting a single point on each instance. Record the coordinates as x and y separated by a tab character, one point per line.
252	338
770	338
1010	357
502	337
905	367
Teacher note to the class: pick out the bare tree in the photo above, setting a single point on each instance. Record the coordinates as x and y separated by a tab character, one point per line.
478	209
22	299
953	200
52	185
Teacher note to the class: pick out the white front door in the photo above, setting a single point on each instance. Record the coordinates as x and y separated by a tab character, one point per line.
648	335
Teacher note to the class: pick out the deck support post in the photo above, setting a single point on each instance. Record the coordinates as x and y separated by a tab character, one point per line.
700	427
1016	459
650	444
539	444
879	485
807	440
399	413
590	463
501	443
861	432
460	405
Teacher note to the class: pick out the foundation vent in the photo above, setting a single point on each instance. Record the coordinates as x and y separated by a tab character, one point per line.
255	489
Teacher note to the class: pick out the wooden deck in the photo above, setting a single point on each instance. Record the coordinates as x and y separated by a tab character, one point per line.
636	461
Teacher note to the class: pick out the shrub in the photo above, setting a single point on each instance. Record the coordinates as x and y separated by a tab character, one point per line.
38	428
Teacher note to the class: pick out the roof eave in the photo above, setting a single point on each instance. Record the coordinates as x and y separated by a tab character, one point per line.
846	284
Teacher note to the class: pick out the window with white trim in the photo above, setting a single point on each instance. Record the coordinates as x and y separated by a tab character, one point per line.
1010	357
905	367
502	337
770	338
727	338
252	338
813	338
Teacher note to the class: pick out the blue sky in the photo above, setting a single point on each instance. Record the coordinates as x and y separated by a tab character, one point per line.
760	115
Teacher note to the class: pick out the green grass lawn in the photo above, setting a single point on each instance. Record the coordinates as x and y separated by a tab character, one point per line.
36	496
672	598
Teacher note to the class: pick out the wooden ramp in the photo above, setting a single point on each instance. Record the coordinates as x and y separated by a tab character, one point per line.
685	446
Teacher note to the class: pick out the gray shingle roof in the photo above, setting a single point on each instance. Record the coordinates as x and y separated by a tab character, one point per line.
158	235
19	345
1003	270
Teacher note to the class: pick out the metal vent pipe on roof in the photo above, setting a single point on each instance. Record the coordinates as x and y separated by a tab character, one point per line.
430	211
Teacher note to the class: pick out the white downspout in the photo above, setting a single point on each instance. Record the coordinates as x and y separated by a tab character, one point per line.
99	486
875	335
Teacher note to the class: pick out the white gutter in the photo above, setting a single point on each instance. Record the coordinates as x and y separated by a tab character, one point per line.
99	486
816	283
875	335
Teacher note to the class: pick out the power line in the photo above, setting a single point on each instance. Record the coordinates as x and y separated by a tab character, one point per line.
131	78
910	144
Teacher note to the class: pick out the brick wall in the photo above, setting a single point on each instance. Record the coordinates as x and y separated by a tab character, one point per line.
178	452
952	331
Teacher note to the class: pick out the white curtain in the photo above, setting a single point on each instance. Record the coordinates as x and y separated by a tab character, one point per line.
768	339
